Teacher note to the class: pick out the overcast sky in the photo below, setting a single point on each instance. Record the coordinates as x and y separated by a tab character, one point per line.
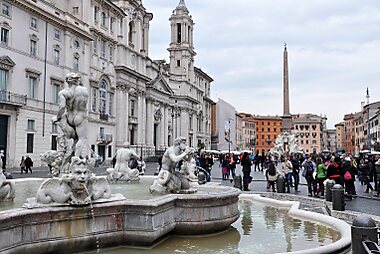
334	51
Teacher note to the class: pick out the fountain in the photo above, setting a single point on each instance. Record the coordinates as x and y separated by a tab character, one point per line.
286	143
75	210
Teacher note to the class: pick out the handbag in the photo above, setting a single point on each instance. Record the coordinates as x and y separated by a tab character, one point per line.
347	176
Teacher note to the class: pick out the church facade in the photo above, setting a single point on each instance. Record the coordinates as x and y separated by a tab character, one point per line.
134	101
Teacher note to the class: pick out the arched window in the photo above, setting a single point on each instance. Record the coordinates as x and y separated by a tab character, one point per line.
102	97
131	30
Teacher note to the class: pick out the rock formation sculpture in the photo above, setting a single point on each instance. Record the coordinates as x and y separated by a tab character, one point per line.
7	188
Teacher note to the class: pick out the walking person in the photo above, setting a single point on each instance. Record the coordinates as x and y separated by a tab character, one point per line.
271	175
257	161
296	171
365	168
224	164
22	164
349	177
28	164
377	172
246	164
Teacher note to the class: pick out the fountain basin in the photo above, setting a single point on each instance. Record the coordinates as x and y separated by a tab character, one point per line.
66	229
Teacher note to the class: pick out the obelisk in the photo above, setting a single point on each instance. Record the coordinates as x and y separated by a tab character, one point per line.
286	118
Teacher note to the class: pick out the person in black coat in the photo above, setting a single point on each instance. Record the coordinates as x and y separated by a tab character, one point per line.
28	164
246	164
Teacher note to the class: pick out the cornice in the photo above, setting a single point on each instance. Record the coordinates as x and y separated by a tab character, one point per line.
133	73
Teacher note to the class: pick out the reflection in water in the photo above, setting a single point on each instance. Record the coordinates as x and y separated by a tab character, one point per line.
246	221
261	229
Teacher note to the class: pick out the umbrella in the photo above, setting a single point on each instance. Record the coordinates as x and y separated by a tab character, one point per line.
365	151
375	152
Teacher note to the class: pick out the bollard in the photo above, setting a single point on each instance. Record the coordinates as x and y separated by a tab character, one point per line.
280	184
363	228
238	182
338	197
329	185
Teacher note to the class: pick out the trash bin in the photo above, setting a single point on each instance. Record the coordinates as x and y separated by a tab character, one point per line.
329	185
280	184
338	198
363	229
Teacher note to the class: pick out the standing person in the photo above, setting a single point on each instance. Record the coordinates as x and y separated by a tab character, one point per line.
271	174
296	171
232	166
224	168
377	172
3	160
246	164
257	161
22	164
333	170
28	164
349	177
309	168
365	168
287	169
321	176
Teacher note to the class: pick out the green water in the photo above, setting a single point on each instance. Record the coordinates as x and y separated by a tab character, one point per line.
260	229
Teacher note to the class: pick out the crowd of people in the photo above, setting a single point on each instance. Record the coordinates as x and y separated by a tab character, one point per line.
315	168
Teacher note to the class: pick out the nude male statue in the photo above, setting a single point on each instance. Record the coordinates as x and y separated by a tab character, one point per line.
72	114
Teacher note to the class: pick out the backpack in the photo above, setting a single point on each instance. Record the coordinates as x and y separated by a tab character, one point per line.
347	176
272	169
309	167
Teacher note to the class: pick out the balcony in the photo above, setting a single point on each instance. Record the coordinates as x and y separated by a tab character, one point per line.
104	138
12	98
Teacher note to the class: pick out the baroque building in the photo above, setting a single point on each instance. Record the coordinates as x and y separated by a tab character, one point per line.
134	101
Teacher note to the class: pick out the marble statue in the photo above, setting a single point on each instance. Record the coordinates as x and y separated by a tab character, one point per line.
286	143
80	187
169	180
189	167
7	188
73	182
122	172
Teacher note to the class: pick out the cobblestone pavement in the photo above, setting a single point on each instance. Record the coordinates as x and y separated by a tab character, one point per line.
364	202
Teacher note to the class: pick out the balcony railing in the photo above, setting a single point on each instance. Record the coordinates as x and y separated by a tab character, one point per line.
103	117
12	98
105	138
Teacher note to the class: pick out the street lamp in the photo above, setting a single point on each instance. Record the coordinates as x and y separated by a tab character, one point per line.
368	125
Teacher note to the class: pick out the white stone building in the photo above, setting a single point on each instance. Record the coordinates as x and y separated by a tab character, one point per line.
134	101
225	126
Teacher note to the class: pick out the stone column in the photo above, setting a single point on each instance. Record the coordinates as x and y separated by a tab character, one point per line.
149	123
140	119
184	125
120	105
162	128
126	117
143	120
166	126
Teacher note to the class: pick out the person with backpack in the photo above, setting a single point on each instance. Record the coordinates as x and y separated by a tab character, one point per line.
308	170
349	177
272	175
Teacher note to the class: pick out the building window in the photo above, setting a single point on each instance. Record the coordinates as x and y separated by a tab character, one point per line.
109	151
179	33
76	63
32	87
3	80
4	36
54	128
110	108
57	34
132	107
75	10
103	49
56	56
268	129
178	63
96	11
275	129
31	125
112	21
33	23
103	19
29	142
56	89
33	47
54	142
131	27
111	54
76	44
93	99
5	9
102	97
95	46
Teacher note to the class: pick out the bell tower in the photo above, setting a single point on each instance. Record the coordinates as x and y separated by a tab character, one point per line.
181	46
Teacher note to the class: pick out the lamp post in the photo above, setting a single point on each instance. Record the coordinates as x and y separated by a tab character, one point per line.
368	125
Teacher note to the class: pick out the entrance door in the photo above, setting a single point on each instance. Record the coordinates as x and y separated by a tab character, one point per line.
155	136
102	151
3	135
